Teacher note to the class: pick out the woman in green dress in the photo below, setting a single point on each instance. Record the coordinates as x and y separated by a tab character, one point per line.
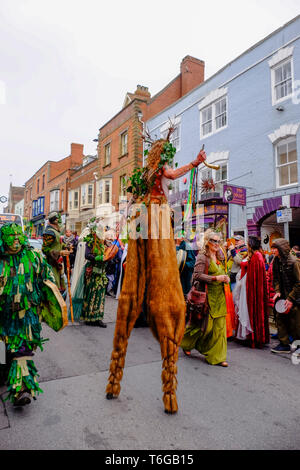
210	272
95	277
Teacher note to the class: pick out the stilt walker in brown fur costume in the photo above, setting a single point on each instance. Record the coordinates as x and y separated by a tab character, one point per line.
152	262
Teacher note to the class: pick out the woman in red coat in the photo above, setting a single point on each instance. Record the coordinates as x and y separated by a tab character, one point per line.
257	295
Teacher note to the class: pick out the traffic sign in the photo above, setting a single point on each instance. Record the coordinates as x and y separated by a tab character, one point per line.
284	215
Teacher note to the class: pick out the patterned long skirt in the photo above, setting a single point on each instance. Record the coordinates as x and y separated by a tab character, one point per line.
94	294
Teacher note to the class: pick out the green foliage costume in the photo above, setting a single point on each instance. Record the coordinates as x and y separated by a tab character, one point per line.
52	247
22	272
95	276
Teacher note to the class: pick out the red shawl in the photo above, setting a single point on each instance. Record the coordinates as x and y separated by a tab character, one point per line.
257	300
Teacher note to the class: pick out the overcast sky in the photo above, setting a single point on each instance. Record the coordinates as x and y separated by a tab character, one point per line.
66	65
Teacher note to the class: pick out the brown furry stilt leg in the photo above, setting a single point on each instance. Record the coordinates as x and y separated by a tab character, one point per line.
169	352
129	308
166	305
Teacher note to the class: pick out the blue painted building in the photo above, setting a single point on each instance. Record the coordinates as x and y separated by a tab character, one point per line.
248	117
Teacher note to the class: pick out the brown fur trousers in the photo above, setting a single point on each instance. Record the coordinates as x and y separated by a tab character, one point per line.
151	262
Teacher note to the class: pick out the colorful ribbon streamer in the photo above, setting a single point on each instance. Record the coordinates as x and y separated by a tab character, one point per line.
192	195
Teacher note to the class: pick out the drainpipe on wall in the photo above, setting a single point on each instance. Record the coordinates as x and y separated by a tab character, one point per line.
287	203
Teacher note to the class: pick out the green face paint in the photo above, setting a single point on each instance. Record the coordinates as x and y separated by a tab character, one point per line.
13	237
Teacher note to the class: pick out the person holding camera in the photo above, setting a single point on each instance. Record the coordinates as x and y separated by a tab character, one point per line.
286	282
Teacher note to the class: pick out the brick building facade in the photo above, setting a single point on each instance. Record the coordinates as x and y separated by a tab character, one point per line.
79	186
47	189
82	197
120	143
15	195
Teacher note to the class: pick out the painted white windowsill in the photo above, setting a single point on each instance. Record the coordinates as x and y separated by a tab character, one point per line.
287	186
281	100
202	137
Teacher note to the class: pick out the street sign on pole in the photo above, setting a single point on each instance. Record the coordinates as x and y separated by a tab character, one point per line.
284	215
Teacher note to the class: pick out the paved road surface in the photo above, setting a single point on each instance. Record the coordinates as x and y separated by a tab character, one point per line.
254	404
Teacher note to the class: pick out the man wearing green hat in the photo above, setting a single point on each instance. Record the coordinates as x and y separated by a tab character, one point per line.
53	249
23	271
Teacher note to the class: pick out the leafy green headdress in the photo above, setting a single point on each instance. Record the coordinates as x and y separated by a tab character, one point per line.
7	236
142	179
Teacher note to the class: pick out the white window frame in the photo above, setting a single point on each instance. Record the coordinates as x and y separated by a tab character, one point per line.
62	196
76	200
276	101
107	182
70	200
210	102
90	194
54	200
123	186
282	57
216	158
207	120
102	194
222	164
214	117
107	155
176	142
83	195
123	147
277	167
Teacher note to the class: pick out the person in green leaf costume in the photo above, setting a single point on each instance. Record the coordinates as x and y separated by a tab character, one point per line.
22	272
53	248
95	279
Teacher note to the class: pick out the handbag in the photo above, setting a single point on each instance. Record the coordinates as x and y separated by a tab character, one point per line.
197	306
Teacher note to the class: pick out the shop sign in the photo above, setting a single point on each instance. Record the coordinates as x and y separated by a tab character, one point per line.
284	215
234	195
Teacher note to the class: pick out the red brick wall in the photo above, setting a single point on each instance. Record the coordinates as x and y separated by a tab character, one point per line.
125	120
82	176
56	175
191	75
35	194
163	99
